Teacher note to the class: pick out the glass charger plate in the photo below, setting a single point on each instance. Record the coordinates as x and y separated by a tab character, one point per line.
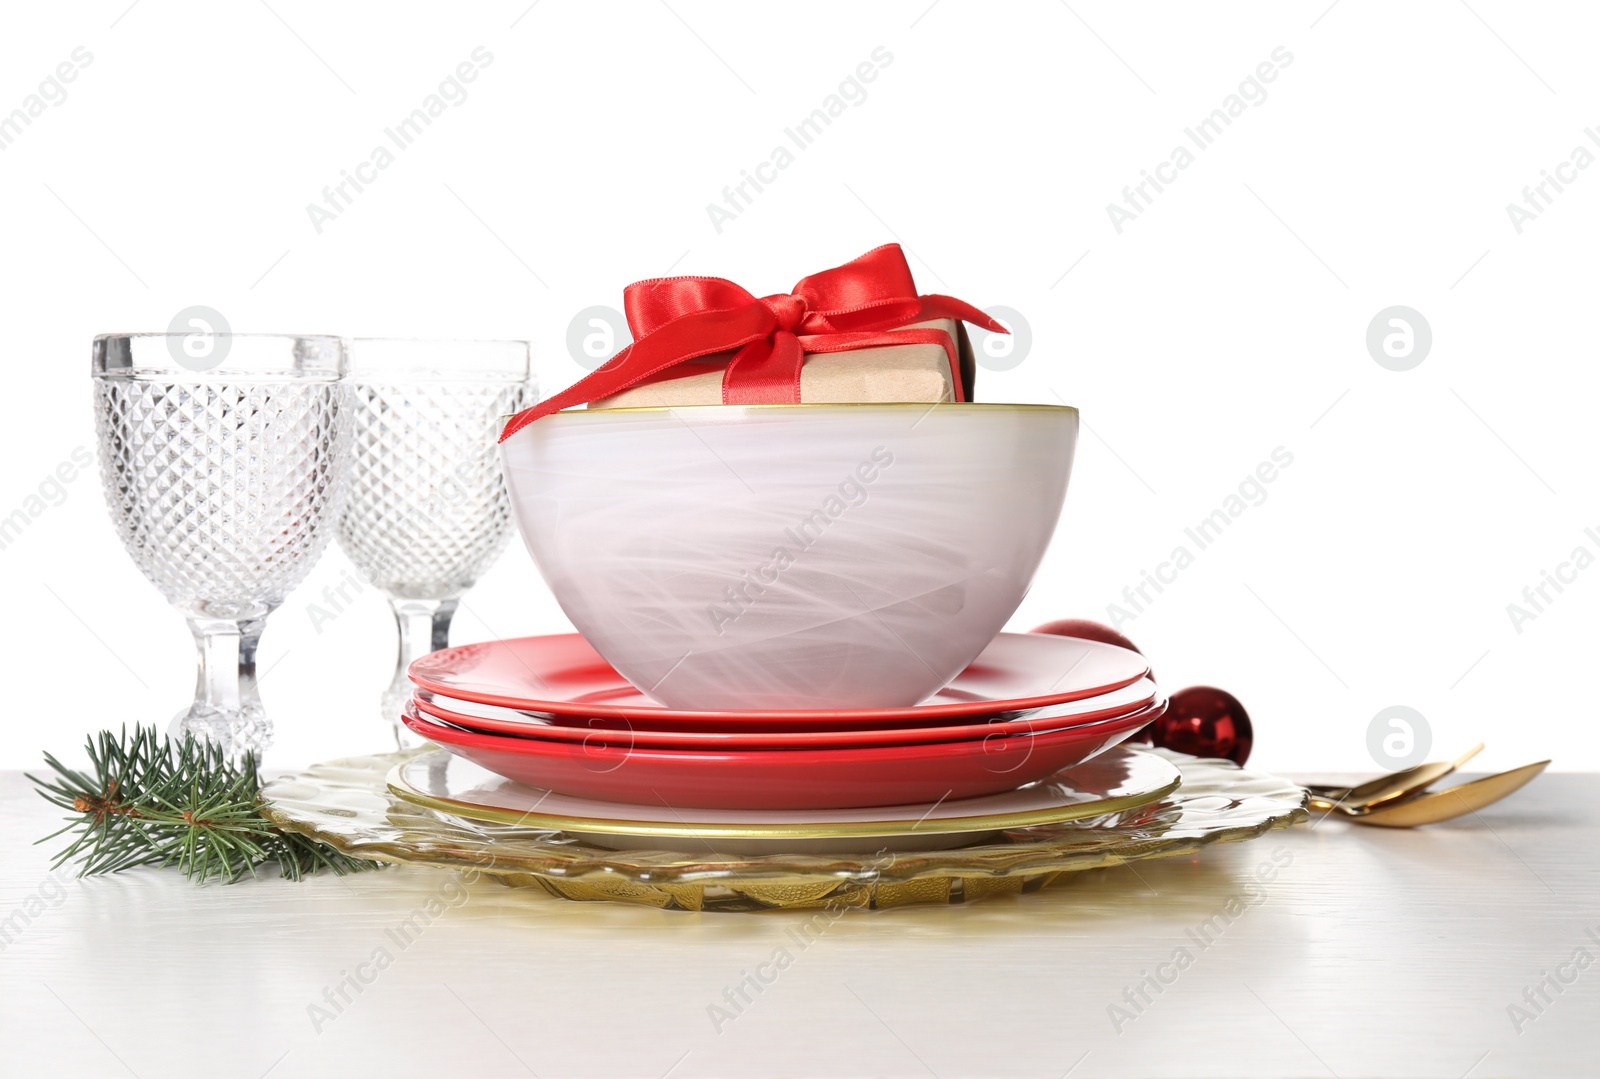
348	805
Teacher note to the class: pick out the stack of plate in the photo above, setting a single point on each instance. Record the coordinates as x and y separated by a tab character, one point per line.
789	688
583	747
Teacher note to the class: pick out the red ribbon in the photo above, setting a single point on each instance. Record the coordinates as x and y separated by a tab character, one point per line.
862	304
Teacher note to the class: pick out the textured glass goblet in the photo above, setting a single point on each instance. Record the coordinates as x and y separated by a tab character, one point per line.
428	510
222	458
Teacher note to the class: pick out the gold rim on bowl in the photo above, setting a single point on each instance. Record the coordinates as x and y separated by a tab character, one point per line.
930	406
716	409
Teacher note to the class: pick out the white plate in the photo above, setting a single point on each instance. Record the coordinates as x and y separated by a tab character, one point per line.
1119	779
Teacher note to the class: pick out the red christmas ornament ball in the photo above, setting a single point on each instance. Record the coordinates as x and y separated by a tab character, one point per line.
1095	631
1205	721
1087	630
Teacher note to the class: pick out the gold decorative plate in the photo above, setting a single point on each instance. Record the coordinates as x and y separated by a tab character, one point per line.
348	805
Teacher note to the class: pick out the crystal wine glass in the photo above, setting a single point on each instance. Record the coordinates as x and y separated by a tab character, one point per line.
222	458
428	510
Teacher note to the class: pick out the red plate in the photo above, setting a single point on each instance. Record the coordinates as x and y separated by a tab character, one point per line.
487	719
786	778
562	675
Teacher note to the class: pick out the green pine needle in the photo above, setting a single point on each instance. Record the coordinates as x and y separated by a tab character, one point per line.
149	800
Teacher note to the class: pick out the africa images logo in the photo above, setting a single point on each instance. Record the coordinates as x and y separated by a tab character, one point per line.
851	492
851	92
450	93
51	92
1251	93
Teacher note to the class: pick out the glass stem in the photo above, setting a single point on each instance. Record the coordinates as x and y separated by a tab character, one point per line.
424	626
226	708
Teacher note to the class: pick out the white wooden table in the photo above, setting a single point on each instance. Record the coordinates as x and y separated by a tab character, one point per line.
1372	953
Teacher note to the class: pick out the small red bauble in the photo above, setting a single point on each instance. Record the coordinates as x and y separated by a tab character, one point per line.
1205	721
1087	630
1096	631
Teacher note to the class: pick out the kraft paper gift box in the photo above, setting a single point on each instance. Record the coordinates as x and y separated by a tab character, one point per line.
886	374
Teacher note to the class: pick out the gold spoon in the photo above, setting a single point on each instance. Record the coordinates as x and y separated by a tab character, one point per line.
1393	787
1451	802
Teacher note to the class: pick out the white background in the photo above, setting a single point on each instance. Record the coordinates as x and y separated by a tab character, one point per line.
1227	320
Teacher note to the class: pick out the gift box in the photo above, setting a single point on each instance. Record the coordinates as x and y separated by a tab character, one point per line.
885	374
859	333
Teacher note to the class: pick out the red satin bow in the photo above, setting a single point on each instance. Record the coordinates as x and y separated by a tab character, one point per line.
861	304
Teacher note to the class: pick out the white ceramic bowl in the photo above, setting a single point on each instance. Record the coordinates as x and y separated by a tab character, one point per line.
791	556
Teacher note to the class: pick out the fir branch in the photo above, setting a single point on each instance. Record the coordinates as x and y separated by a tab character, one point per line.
149	800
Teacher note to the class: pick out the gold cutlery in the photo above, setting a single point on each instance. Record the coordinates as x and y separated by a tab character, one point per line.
1436	806
1401	799
1394	786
